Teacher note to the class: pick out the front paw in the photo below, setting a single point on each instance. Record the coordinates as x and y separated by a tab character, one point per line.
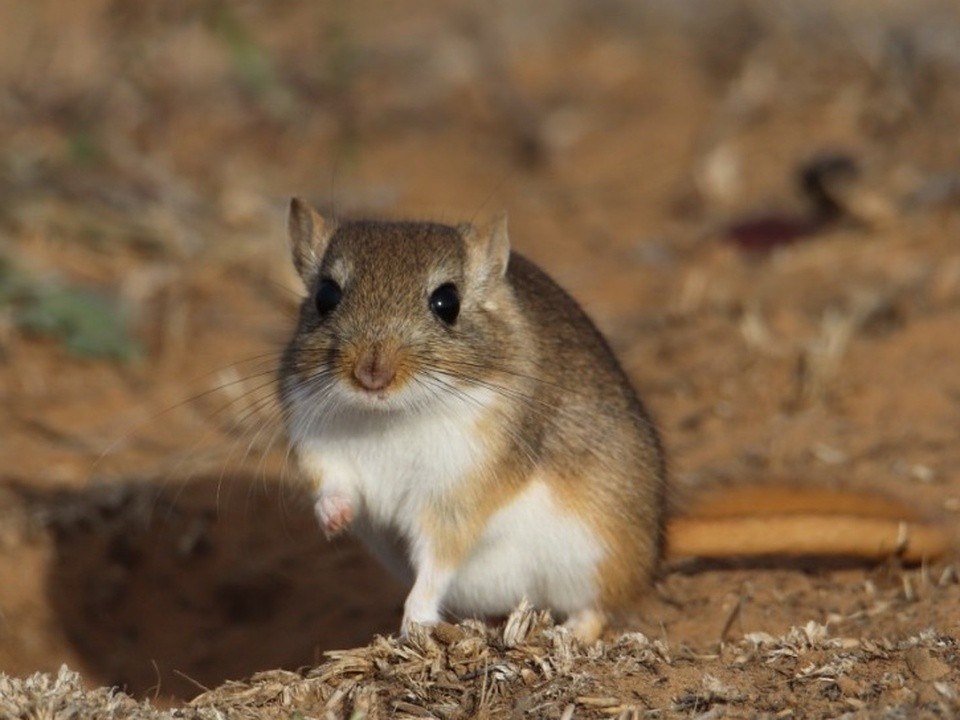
335	513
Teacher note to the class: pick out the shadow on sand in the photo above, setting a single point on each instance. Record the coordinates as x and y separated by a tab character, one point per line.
167	589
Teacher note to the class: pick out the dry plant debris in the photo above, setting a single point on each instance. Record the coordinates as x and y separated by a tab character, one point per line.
530	667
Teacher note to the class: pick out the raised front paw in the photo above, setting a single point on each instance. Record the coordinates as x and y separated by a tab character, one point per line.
335	513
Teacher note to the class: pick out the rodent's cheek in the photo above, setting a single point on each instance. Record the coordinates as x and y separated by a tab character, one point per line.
310	364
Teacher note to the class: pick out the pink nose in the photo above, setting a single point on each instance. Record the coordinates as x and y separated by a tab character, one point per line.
373	371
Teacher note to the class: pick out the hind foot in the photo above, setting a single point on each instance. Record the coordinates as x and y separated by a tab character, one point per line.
586	625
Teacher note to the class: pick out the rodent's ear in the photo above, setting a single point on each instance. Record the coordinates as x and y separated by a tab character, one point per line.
309	234
488	248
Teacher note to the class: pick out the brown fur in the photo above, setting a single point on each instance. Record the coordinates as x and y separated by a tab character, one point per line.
605	455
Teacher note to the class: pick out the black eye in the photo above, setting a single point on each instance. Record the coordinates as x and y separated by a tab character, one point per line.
328	296
445	303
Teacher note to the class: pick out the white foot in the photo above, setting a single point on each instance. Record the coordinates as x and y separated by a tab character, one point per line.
409	623
421	608
586	625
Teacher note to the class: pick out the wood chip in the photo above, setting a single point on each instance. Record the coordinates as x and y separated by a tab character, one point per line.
598	702
924	665
447	634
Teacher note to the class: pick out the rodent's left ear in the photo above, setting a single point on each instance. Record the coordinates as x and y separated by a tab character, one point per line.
488	248
310	233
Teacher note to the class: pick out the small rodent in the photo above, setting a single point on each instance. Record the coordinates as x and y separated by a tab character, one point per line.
457	410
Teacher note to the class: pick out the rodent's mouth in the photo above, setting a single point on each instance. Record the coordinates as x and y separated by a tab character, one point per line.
380	398
373	393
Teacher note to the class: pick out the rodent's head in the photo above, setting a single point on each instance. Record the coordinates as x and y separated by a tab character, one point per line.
397	314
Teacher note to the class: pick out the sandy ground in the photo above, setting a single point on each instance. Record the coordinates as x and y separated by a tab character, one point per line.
151	534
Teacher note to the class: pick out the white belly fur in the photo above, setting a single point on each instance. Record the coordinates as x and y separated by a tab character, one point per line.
393	466
530	549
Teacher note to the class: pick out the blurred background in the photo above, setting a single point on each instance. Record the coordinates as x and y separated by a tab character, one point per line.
758	201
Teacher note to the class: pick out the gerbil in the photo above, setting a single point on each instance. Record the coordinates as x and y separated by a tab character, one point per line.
460	410
457	409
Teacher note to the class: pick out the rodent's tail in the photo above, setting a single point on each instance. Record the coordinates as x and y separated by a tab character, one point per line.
763	521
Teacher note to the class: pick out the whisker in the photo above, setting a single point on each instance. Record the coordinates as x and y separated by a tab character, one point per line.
639	415
450	388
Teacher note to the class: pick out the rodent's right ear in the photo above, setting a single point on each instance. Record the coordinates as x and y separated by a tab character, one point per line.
309	234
